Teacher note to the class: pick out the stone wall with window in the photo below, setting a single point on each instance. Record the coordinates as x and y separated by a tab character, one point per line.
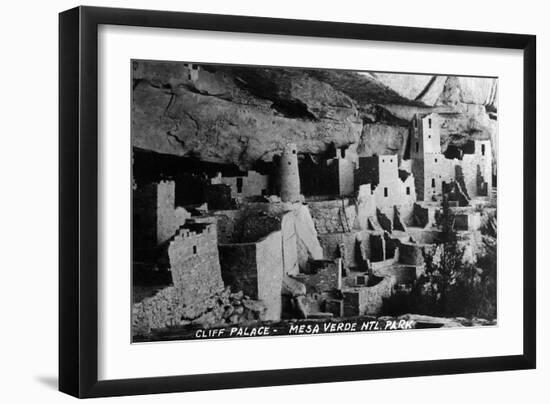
195	263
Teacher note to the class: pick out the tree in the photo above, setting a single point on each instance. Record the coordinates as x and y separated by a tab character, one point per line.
487	263
445	266
459	287
451	286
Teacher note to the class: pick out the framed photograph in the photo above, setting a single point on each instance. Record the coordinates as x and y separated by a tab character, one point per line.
251	201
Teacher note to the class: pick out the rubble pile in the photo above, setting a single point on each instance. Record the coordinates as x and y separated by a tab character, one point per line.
164	310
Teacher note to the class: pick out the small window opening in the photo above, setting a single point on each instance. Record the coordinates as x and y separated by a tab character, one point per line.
194	249
483	150
385	192
433	182
417	147
239	185
436	160
430	123
408	190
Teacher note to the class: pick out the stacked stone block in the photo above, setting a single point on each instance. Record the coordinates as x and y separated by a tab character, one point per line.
323	276
195	264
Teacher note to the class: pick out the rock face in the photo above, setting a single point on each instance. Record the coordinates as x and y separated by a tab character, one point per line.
240	115
381	138
442	90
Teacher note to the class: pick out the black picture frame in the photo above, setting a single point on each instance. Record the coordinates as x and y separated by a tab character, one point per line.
78	206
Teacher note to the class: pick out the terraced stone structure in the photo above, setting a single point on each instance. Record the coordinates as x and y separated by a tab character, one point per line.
471	169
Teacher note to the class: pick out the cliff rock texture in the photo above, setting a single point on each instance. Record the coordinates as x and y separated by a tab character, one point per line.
240	115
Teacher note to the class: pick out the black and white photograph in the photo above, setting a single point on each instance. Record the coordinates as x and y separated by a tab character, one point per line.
275	201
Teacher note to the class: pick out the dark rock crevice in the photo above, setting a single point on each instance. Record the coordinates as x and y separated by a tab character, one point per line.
294	109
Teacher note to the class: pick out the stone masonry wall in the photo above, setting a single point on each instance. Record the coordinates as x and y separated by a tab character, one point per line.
346	177
299	237
156	217
340	245
477	170
377	294
226	222
324	276
239	268
411	253
289	244
269	264
289	178
430	167
467	221
256	268
387	188
166	197
195	264
437	170
366	206
333	216
253	184
308	245
381	265
376	247
424	216
367	300
371	245
246	225
417	166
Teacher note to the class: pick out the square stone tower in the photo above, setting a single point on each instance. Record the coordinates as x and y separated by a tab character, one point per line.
429	166
477	169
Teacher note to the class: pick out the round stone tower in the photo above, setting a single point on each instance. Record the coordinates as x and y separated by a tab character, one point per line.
289	176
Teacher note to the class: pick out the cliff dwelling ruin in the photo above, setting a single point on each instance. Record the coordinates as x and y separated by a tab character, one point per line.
296	235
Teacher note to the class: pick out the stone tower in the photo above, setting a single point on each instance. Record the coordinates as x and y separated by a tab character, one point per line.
429	166
289	175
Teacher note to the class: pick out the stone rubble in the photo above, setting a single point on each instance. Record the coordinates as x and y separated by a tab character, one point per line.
164	310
